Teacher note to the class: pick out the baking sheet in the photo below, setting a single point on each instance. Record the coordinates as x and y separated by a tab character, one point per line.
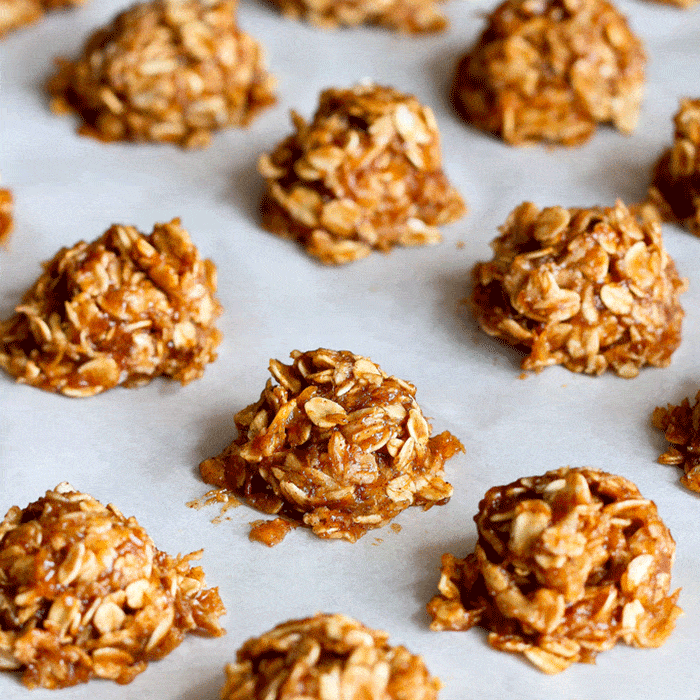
140	448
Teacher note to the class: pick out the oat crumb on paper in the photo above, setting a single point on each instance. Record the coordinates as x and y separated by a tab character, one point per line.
118	311
84	593
591	289
336	444
327	657
271	532
166	70
407	16
675	187
19	13
551	70
365	174
222	497
566	565
681	427
6	214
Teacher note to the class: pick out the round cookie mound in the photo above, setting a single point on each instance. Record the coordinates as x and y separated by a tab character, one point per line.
85	594
337	444
590	289
365	174
566	565
120	310
550	70
408	16
327	657
166	70
675	187
19	13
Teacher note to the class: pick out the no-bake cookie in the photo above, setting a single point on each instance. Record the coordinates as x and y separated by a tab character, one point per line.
166	70
19	13
327	657
408	16
591	289
681	426
675	187
6	218
551	70
84	593
336	443
121	310
365	174
566	565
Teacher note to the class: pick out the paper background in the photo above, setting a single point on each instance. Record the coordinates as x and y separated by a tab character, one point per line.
140	448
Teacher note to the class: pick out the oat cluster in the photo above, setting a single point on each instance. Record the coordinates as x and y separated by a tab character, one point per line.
19	13
590	289
566	565
365	174
166	70
336	444
408	16
85	594
681	426
327	657
120	310
675	187
6	218
551	70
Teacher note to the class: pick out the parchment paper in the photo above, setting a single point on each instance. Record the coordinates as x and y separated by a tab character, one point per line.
139	448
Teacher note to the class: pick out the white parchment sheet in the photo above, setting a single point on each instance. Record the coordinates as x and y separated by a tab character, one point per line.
139	448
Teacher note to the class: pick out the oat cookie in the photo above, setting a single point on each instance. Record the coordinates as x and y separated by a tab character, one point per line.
335	443
6	220
18	13
551	70
681	426
566	565
591	289
675	187
85	594
408	16
166	70
327	657
365	174
121	310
